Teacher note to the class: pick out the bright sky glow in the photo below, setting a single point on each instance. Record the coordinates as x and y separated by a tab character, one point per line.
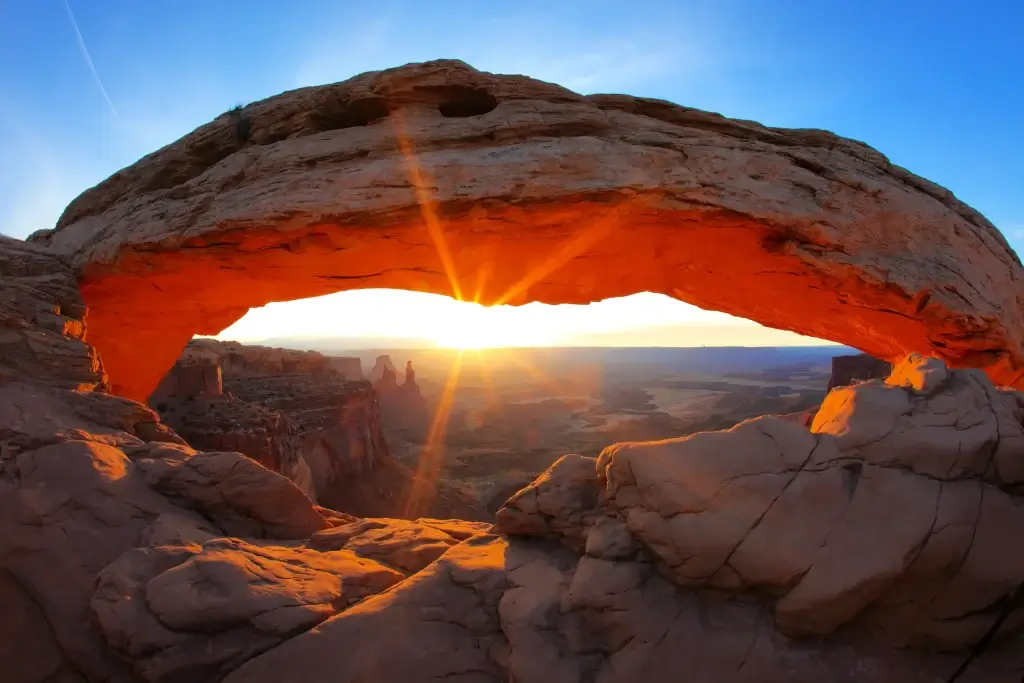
87	88
643	319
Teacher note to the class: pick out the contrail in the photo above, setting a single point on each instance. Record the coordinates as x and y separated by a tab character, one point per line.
88	60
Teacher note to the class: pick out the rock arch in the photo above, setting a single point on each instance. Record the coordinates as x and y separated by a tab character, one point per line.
440	178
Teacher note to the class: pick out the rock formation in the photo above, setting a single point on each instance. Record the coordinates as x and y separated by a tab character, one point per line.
846	370
250	359
127	556
226	423
381	368
43	321
403	408
350	369
546	195
880	545
697	555
189	377
849	369
321	431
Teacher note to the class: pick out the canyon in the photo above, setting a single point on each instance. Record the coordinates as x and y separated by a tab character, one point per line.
296	413
876	543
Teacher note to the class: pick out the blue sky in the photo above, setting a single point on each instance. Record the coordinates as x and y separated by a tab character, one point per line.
936	86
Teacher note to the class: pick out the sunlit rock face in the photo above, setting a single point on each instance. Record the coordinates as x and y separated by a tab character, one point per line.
436	177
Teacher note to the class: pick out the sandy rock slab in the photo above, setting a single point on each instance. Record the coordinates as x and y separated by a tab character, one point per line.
196	612
440	624
406	546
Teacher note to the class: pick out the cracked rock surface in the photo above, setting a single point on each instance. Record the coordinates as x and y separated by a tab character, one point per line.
316	186
885	512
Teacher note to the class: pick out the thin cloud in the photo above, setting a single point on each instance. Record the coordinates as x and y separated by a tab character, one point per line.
88	60
596	61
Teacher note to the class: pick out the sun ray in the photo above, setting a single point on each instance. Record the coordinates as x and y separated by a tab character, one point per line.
426	204
482	274
428	470
490	394
548	383
580	242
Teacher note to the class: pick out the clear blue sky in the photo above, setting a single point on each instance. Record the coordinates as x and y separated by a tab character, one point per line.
937	86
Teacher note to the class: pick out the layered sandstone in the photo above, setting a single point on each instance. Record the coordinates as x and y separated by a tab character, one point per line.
239	359
190	376
440	178
42	321
226	423
340	431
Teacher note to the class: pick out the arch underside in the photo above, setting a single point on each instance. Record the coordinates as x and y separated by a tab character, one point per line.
439	178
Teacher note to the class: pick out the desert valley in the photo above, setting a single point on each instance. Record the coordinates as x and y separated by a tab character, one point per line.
510	413
180	509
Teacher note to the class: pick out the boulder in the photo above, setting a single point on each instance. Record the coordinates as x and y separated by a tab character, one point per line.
560	503
235	492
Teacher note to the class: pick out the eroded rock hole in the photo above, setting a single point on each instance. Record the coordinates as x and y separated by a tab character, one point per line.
466	102
340	114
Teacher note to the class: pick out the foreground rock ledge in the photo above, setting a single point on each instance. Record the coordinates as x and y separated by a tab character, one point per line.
538	194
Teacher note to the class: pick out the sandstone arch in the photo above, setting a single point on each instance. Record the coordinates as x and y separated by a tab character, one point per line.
441	178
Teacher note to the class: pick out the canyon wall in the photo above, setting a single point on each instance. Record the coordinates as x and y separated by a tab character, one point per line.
293	412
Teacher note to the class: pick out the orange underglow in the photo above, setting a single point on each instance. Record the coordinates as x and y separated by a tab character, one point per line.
424	484
581	242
